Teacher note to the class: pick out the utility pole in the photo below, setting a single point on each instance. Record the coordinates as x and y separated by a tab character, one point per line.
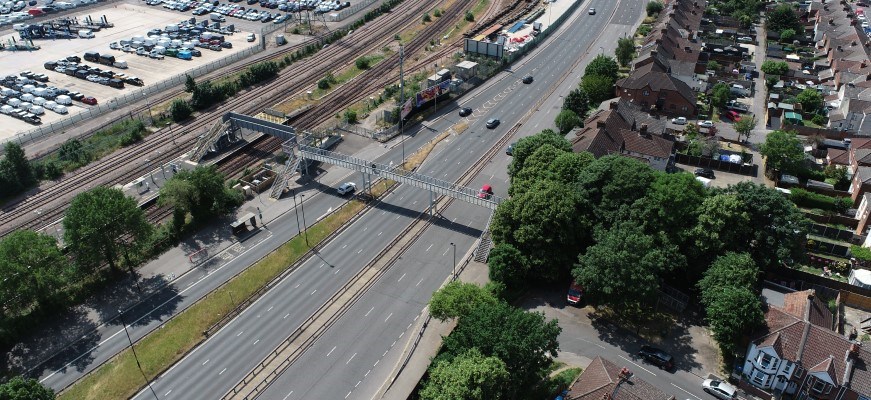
147	382
401	100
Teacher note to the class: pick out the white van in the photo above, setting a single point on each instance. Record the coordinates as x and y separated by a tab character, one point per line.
60	109
25	105
50	105
27	97
63	99
6	109
63	5
39	101
13	102
8	92
28	88
120	64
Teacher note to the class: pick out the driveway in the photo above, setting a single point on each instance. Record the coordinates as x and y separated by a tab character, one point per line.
724	179
582	339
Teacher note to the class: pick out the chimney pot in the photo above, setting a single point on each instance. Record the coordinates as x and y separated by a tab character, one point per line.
643	130
612	105
600	124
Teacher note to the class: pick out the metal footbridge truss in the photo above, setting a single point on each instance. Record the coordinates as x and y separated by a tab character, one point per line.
229	130
369	169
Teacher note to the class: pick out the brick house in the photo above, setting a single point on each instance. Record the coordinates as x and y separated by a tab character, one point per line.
798	353
658	91
628	131
603	379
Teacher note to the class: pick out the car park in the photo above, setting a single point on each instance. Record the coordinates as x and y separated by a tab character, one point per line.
656	357
492	123
346	188
719	389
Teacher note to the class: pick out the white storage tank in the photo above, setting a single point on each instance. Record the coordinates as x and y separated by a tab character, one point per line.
27	97
38	101
37	110
28	88
60	109
63	99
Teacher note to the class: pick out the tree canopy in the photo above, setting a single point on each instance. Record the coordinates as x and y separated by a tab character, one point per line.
623	269
577	101
567	120
33	269
200	192
507	266
611	184
102	224
744	127
527	145
470	376
781	18
783	151
598	88
770	67
457	299
729	269
19	388
16	173
810	99
603	66
625	50
670	201
523	340
733	312
720	95
653	8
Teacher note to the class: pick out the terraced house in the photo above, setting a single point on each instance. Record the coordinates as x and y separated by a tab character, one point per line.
799	354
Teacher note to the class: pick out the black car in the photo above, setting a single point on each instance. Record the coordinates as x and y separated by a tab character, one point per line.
657	357
705	173
510	149
527	79
465	111
492	123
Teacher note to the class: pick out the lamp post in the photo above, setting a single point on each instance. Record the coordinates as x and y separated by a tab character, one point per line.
304	230
296	211
133	349
401	100
454	273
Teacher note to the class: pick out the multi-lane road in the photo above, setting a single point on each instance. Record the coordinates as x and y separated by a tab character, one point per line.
357	354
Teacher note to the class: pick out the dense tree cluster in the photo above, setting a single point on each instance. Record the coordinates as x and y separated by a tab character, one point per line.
599	78
621	229
19	388
496	351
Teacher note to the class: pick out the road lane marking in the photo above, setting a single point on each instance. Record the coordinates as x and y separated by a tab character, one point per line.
367	373
358	384
167	393
313	292
685	391
344	246
285	317
593	343
349	360
370	310
638	365
255	342
270	308
206	362
359	251
239	334
322	265
288	395
349	393
331	351
400	278
446	251
430	246
222	371
388	317
418	282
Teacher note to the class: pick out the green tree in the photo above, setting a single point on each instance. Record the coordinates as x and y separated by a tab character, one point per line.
19	388
670	201
728	270
180	110
714	66
204	196
625	50
578	102
189	84
770	67
653	8
733	313
507	266
350	116
457	299
536	168
611	184
182	195
624	268
102	224
469	16
16	173
426	17
781	18
74	152
567	167
722	225
786	35
527	145
362	63
567	120
744	127
810	99
604	66
598	88
783	151
523	340
469	375
33	269
720	95
543	223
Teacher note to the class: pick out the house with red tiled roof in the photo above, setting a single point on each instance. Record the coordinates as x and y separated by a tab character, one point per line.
603	379
626	130
798	353
654	89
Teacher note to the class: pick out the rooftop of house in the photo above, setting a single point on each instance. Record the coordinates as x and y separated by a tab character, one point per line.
792	333
622	127
651	77
602	378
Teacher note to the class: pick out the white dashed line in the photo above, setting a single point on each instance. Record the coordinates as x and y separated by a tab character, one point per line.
331	351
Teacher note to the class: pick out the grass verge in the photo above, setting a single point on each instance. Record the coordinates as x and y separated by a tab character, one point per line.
119	378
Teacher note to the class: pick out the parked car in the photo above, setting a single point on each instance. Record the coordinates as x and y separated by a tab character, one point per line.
465	111
89	100
719	389
591	11
573	297
510	149
492	123
706	124
250	37
704	173
346	188
745	39
679	121
657	357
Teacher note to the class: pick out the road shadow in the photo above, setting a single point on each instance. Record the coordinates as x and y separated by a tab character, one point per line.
68	329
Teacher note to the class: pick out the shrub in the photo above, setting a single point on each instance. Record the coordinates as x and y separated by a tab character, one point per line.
469	16
350	116
653	8
362	63
807	199
819	119
437	13
426	17
180	110
860	253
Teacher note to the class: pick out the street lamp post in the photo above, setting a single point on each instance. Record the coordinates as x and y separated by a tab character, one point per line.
133	349
296	211
304	229
454	273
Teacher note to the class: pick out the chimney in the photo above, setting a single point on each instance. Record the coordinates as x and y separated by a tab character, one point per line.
688	49
653	53
831	22
643	131
612	105
664	31
693	11
600	124
696	4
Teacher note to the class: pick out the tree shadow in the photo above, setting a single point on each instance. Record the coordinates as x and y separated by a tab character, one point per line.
143	301
38	353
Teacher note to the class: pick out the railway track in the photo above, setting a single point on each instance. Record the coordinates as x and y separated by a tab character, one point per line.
170	143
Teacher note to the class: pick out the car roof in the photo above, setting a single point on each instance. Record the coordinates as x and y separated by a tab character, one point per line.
723	386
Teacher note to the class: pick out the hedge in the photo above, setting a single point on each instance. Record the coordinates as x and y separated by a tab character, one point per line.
807	199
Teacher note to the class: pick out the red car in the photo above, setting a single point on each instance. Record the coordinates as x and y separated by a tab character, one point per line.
575	294
89	100
486	192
